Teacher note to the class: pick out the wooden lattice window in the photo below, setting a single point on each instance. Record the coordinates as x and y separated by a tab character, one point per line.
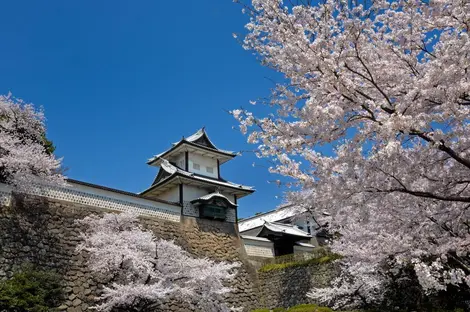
213	212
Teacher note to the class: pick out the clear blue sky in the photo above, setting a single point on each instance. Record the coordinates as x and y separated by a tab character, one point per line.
121	80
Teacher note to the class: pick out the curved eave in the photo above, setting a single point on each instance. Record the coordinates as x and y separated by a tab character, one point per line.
203	201
222	155
283	230
241	192
206	201
162	175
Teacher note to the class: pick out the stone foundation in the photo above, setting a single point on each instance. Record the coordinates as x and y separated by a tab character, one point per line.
289	287
44	232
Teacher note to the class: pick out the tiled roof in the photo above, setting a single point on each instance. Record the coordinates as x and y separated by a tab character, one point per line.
192	139
212	195
286	229
173	171
304	244
278	214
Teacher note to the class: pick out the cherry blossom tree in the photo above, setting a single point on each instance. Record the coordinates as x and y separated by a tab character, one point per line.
142	271
25	154
373	123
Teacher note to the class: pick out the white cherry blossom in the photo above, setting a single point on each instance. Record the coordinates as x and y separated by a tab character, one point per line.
141	270
23	155
386	87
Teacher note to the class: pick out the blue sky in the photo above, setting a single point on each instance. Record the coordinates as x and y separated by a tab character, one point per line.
121	80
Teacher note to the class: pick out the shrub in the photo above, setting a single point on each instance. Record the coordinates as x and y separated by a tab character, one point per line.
279	310
261	310
31	290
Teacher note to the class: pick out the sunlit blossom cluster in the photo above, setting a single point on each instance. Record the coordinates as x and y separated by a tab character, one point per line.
373	125
141	270
23	155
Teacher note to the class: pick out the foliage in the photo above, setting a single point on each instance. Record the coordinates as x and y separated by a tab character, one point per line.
31	290
48	145
314	261
142	270
373	125
25	153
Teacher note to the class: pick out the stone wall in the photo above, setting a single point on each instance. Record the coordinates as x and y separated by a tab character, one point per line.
289	287
44	232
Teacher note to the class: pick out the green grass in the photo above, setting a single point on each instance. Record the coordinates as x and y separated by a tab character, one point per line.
315	261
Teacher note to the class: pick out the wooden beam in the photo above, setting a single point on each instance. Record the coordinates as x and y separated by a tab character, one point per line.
181	194
186	160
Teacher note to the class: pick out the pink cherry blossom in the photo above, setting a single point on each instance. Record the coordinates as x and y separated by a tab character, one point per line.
141	269
23	156
386	87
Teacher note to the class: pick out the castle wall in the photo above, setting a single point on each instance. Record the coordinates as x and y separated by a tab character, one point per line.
44	232
289	287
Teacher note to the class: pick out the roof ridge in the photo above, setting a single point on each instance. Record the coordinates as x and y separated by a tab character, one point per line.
283	224
268	212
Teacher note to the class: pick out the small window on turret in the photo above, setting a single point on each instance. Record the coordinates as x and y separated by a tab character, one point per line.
196	166
210	169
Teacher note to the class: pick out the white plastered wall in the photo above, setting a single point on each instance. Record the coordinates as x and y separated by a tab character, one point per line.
191	192
304	222
172	195
180	161
256	248
203	162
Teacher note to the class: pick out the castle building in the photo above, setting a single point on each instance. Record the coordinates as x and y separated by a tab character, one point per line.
188	183
188	201
285	230
190	174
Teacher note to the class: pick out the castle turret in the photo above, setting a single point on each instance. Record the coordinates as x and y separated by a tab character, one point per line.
190	175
